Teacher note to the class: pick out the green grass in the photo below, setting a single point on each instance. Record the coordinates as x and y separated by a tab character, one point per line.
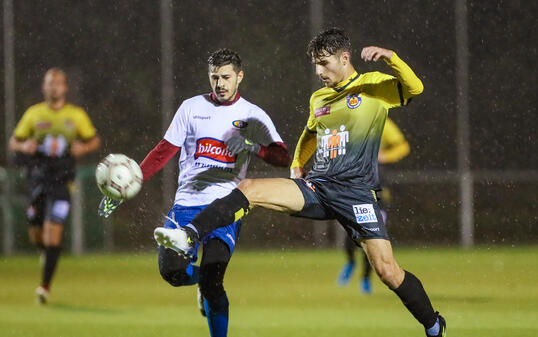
482	292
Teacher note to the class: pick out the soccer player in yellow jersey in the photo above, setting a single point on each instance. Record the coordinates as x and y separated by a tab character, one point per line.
393	148
343	131
50	136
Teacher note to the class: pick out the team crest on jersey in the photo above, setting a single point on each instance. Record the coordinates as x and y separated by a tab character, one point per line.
214	149
69	124
333	144
353	101
326	110
240	124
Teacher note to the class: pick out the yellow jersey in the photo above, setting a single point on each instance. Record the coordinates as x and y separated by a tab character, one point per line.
349	120
54	130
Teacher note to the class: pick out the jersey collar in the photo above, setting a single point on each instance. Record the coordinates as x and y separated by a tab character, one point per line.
342	85
216	101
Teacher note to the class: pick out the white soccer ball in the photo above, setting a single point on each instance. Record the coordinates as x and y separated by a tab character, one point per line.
118	177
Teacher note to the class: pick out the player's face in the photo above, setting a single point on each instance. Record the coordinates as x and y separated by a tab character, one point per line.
225	82
54	86
331	68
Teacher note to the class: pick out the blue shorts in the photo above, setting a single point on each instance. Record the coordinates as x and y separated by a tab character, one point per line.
183	215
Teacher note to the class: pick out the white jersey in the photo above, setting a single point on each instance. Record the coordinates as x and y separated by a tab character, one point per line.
201	127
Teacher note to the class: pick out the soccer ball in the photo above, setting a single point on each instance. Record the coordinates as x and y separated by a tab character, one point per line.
118	177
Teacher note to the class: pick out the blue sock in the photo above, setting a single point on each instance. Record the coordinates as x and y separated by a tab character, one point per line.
217	316
434	330
193	275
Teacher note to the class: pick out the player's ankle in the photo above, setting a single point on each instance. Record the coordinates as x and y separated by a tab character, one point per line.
192	231
434	330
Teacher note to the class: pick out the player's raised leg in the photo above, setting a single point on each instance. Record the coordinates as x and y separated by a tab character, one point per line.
406	285
277	194
176	270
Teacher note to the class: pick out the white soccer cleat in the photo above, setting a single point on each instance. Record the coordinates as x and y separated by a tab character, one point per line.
42	295
176	239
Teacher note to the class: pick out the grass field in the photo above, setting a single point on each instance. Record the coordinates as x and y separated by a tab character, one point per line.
482	292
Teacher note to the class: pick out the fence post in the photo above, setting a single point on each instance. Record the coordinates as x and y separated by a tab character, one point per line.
463	131
77	225
9	110
167	87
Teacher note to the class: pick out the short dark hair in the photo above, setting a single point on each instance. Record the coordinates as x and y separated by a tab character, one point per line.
56	70
332	41
225	56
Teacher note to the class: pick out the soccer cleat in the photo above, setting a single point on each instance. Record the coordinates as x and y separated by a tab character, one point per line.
345	274
442	327
366	286
178	240
201	303
42	295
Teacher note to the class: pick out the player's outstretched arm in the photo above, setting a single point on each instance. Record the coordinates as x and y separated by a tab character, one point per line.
411	84
157	158
306	147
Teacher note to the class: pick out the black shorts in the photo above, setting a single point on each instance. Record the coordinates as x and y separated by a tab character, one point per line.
49	202
356	209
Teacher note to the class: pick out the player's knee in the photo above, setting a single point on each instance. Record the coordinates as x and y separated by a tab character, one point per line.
172	268
174	277
246	186
390	274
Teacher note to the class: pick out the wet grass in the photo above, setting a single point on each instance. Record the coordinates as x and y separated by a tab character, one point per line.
481	292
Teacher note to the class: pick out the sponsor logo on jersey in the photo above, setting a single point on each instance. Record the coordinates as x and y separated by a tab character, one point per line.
364	213
43	125
201	117
333	144
214	149
240	124
353	101
326	110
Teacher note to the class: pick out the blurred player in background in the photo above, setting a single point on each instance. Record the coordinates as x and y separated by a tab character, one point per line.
344	131
217	134
47	140
393	148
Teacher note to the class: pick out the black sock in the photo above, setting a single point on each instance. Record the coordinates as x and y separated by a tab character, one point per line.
349	247
221	212
366	267
51	259
416	301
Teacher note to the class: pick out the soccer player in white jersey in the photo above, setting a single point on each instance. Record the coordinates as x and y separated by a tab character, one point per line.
216	135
